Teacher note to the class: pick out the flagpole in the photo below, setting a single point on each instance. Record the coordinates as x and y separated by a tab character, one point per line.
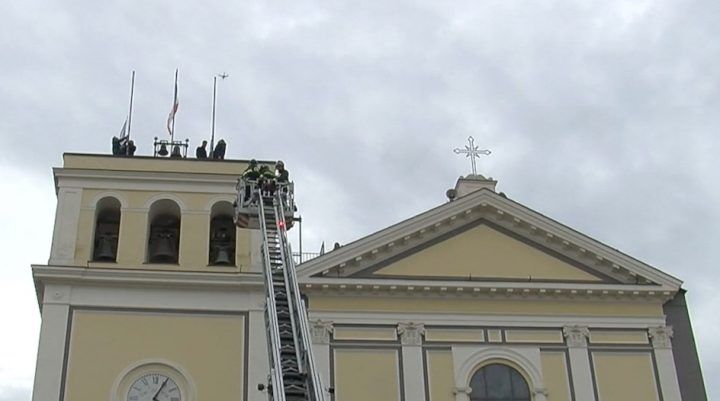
132	93
212	129
172	130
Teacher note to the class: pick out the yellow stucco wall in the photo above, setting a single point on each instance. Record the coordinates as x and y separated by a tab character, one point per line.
534	336
618	337
440	375
104	344
624	376
365	333
555	374
132	242
494	255
483	306
106	162
455	335
366	374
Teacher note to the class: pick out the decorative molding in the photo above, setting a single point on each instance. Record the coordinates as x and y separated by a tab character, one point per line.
540	391
576	336
321	331
462	390
661	337
486	320
467	359
475	289
411	333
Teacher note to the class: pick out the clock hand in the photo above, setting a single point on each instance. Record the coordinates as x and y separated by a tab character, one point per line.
154	398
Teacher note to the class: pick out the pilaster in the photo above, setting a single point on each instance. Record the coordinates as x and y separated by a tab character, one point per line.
411	338
662	347
321	332
576	338
67	215
51	349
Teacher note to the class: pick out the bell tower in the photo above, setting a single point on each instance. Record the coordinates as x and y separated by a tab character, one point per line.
149	279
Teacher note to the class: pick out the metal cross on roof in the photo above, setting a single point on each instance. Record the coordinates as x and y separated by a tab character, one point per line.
472	152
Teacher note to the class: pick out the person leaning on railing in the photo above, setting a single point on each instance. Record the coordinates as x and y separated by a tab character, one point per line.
250	175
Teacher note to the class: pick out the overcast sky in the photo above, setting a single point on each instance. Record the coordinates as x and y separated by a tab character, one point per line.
600	114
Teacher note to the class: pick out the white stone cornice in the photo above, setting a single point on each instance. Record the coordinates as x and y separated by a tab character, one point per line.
479	320
129	277
411	333
147	181
321	331
661	337
460	288
576	336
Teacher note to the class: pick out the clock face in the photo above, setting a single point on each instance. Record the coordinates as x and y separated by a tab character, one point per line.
154	387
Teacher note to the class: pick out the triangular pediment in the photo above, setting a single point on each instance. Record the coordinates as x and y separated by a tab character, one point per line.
483	252
484	237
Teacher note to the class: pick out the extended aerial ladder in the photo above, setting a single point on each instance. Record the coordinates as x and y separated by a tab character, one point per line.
293	375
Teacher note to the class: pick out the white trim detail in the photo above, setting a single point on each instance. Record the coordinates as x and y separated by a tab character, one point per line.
467	359
576	338
110	194
67	216
216	199
166	195
665	361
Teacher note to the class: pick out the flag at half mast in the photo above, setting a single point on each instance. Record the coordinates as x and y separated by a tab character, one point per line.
173	111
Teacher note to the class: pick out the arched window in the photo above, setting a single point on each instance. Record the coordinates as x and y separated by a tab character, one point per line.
498	382
164	232
107	230
222	235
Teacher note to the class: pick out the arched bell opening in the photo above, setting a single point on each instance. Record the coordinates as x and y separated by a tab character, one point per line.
164	232
222	235
107	230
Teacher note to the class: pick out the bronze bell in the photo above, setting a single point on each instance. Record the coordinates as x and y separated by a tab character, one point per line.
222	256
163	150
162	248
104	248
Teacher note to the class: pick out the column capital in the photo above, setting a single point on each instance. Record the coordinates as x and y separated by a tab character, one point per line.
321	330
660	336
411	333
576	336
540	393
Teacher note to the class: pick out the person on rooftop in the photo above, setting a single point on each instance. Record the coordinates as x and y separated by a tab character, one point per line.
200	152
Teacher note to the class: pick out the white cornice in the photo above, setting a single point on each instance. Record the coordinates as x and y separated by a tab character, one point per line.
43	275
477	289
150	181
486	204
480	320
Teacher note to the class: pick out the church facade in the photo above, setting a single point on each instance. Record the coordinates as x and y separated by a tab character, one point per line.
150	285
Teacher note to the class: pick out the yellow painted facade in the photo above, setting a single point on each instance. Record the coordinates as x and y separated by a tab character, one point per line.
494	255
618	337
440	375
484	306
534	336
367	374
365	333
163	165
105	344
455	335
556	375
625	376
